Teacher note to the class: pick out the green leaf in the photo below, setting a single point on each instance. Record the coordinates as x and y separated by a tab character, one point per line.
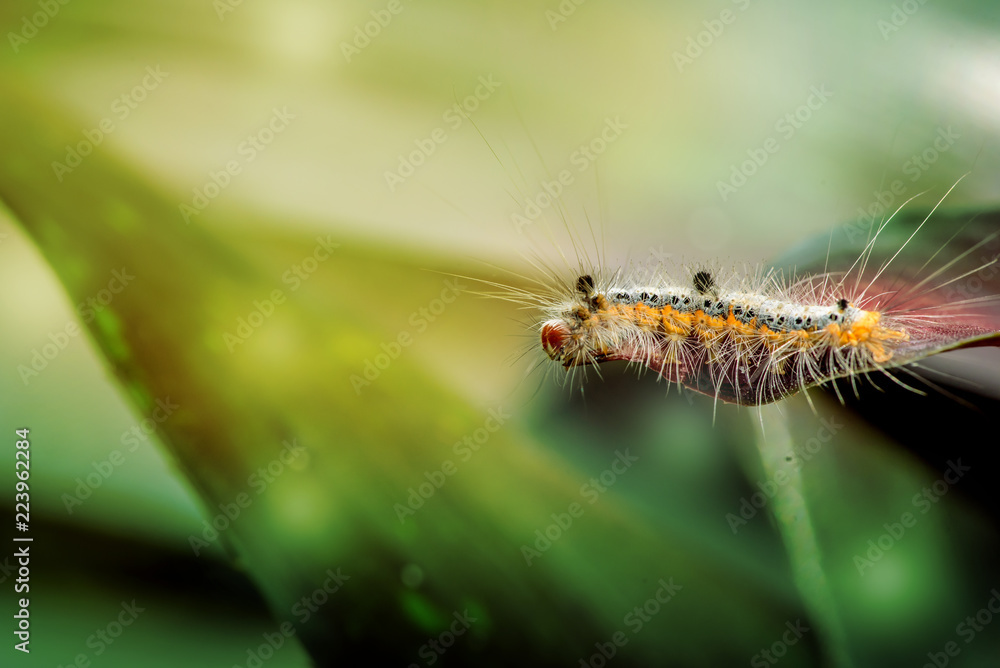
301	469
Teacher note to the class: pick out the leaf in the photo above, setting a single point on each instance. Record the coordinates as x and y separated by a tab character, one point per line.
795	521
304	428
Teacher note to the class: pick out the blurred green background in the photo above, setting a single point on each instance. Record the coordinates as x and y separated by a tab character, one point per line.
232	157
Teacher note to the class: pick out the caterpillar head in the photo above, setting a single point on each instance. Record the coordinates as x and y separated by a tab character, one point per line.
570	337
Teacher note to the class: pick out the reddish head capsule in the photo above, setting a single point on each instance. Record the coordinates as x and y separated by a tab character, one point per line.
554	335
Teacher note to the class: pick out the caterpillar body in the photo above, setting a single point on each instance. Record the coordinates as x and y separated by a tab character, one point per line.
748	342
756	337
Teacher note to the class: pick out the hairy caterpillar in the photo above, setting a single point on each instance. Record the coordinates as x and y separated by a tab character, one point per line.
756	337
744	337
